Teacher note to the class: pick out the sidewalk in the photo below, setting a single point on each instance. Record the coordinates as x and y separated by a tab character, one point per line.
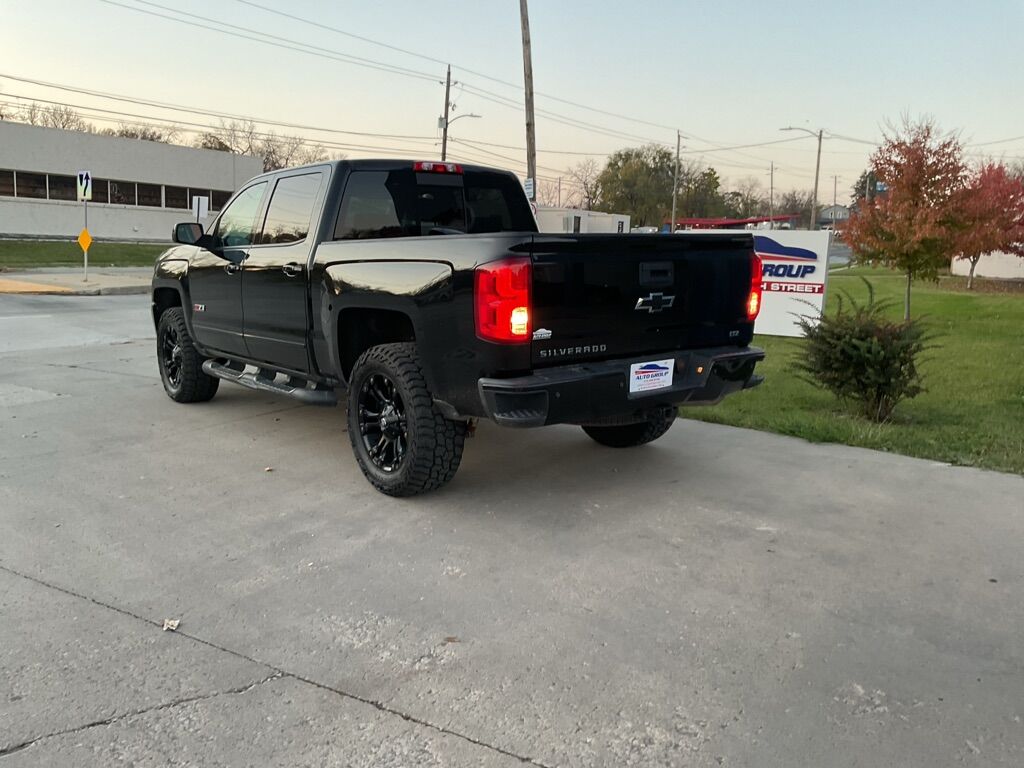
105	281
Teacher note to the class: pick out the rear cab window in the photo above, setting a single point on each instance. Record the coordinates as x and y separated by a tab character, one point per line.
406	203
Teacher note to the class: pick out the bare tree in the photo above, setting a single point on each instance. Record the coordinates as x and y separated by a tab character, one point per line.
56	116
747	199
586	177
164	134
243	138
548	194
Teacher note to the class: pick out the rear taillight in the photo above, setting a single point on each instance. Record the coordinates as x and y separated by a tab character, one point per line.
754	297
425	166
503	301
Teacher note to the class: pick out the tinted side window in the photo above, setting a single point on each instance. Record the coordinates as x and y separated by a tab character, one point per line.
238	221
291	209
367	208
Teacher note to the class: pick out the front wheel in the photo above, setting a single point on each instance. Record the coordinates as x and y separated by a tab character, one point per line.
403	444
630	435
181	365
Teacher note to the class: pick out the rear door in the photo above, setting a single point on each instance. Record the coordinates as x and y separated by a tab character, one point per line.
603	296
214	275
275	276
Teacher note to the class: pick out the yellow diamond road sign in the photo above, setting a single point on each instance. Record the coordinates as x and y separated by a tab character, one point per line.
84	240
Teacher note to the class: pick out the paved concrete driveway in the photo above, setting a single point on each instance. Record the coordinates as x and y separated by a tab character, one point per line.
721	597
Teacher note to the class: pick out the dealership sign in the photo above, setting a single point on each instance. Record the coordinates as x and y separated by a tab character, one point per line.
794	274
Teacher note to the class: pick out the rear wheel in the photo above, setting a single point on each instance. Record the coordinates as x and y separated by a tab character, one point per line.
402	442
630	435
181	365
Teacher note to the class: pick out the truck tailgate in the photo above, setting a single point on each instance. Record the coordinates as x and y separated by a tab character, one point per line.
606	296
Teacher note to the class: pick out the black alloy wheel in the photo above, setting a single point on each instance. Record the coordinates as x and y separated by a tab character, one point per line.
402	442
171	354
382	422
181	365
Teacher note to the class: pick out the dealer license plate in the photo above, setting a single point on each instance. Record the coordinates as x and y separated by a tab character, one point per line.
656	374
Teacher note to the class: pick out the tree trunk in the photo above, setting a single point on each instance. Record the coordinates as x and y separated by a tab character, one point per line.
970	275
906	301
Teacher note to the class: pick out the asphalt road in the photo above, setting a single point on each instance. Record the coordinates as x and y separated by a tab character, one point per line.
721	597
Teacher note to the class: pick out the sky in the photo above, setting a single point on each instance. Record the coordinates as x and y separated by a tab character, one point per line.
607	75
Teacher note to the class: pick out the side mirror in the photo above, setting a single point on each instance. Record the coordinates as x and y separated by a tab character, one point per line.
187	233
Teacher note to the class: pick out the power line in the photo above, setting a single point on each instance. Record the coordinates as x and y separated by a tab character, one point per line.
275	40
199	110
425	57
190	127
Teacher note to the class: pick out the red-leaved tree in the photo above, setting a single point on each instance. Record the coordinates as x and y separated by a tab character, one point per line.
991	216
910	224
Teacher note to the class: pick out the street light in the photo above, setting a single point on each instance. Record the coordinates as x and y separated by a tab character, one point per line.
817	169
443	123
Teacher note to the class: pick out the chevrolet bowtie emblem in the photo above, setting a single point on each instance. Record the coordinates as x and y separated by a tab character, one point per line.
655	302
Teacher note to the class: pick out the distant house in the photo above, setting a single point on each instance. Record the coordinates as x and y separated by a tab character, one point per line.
833	214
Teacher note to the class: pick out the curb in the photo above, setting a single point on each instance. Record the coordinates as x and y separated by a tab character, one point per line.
56	290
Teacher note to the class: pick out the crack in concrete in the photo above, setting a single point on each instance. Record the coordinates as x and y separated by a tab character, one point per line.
276	673
135	713
78	367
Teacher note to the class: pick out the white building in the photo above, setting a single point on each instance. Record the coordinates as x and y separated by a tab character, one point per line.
998	265
141	189
550	219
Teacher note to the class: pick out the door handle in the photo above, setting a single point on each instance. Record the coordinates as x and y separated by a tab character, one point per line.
232	268
292	269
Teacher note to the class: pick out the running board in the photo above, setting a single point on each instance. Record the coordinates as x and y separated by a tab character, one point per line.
265	380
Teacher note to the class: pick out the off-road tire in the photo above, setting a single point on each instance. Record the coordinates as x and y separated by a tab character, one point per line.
184	381
433	443
631	435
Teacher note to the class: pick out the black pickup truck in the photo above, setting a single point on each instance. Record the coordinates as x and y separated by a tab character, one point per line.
423	293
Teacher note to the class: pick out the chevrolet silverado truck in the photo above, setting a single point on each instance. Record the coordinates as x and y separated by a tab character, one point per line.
423	295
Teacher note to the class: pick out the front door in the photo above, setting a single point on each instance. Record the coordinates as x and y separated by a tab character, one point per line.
275	275
215	275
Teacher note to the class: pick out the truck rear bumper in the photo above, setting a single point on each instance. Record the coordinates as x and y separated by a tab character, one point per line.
588	393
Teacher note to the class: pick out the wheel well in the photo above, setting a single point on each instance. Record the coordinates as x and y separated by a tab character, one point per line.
164	299
360	329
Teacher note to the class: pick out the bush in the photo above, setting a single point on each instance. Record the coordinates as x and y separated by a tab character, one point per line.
863	357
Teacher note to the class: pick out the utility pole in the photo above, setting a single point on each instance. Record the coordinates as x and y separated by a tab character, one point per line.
559	191
447	96
675	186
531	138
817	169
771	197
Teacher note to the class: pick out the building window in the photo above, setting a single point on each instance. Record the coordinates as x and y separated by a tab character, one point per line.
218	199
100	191
31	185
7	183
149	194
175	197
122	192
63	187
194	193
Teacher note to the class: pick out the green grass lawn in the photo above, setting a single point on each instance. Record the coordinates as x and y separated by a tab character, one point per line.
972	412
24	254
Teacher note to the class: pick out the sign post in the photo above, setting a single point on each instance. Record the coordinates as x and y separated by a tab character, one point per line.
84	238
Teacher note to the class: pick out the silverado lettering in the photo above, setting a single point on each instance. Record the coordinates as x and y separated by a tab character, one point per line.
564	351
366	281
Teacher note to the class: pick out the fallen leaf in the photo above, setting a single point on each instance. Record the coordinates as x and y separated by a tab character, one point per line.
452	639
268	469
171	624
